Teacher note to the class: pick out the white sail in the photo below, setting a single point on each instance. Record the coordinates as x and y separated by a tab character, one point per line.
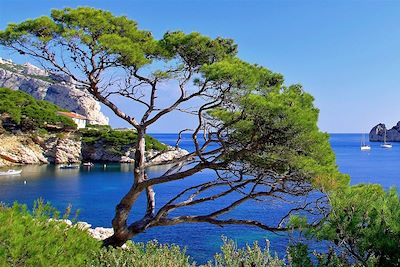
364	146
385	144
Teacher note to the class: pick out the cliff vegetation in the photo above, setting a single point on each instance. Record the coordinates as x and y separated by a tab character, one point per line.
117	139
22	111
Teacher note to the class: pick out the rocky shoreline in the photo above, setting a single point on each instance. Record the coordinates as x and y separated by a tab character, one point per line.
67	148
99	233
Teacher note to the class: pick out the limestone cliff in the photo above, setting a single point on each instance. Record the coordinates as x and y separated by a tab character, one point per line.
378	132
44	86
33	149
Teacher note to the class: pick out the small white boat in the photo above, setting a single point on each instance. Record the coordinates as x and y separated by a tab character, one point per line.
11	172
364	146
385	144
69	166
88	164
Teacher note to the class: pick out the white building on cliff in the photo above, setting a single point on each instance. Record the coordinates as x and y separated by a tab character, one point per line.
79	120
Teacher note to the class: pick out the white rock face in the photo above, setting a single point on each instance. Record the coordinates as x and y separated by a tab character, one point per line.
20	150
30	69
40	85
23	149
63	150
170	154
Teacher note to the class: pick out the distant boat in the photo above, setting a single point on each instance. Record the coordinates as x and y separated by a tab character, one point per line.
385	144
69	166
88	164
364	146
11	172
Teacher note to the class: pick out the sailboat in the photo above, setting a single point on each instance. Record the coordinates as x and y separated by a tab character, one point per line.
385	144
364	146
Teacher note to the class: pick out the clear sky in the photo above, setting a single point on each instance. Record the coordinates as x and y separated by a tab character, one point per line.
345	53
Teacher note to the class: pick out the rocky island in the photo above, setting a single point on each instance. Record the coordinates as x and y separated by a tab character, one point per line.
377	133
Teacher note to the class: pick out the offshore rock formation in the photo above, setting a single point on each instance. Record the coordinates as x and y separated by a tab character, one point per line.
56	89
66	148
378	132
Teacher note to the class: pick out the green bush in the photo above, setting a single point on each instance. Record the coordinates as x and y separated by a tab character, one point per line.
232	256
30	239
365	224
26	111
143	255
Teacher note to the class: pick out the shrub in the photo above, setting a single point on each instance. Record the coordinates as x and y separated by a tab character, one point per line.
143	255
232	256
365	224
30	239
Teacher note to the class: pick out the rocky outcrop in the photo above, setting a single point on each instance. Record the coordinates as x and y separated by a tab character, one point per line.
20	150
27	149
68	148
378	132
99	233
99	151
56	89
63	150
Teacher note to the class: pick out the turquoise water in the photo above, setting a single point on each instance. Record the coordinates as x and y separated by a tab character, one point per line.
96	191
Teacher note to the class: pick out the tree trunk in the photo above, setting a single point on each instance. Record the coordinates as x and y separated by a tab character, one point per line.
115	240
122	232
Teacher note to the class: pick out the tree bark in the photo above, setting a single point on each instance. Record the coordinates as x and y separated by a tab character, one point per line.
122	232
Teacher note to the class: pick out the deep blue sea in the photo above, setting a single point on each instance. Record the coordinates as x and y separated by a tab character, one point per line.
96	191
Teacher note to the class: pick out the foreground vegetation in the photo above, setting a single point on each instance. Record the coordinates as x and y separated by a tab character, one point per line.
364	227
30	239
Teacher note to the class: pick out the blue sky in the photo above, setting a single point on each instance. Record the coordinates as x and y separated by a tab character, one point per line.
345	53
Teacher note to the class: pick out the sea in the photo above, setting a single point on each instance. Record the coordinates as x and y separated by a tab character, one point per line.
95	192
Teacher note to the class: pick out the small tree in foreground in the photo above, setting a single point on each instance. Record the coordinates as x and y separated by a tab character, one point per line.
259	137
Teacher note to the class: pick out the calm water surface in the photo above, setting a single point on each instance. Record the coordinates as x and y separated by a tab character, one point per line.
96	191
